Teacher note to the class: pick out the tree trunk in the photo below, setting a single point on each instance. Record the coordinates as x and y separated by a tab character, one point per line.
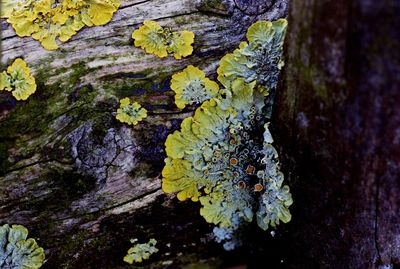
82	182
337	119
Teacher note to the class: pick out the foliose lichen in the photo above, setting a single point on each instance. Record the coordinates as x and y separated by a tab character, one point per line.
191	86
223	155
140	252
259	59
47	20
17	251
18	80
130	113
163	41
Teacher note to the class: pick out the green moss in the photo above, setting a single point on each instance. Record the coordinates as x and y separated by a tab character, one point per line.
72	245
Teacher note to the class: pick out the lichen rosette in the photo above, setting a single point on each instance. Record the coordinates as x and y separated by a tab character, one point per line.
155	39
18	79
130	113
191	86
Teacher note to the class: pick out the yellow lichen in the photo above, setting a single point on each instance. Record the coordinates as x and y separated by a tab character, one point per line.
150	37
222	156
181	44
130	113
161	41
47	20
191	86
140	252
18	80
17	250
259	59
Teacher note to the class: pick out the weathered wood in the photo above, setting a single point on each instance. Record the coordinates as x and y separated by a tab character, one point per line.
82	182
337	119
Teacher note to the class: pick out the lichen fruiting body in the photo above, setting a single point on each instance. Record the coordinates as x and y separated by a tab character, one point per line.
191	86
130	113
163	41
140	252
223	155
17	251
18	80
47	20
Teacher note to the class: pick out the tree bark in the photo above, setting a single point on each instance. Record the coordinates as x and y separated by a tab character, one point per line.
82	182
337	119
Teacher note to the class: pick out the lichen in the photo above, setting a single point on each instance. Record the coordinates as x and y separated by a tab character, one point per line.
18	252
130	113
140	252
155	39
47	20
223	155
18	80
259	59
191	86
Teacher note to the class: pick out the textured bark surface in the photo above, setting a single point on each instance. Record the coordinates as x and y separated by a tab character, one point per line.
337	119
82	182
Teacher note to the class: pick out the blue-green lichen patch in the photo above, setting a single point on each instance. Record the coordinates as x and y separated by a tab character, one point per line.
17	251
223	155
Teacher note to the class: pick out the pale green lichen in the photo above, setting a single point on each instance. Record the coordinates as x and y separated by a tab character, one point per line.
18	80
140	252
47	20
163	41
130	113
17	251
223	155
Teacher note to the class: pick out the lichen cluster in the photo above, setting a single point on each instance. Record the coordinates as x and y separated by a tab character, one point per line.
18	80
47	20
163	41
223	155
18	252
259	59
130	113
191	86
140	252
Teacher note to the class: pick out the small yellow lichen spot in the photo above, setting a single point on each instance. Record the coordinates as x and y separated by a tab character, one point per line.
140	252
191	86
130	113
161	41
18	80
